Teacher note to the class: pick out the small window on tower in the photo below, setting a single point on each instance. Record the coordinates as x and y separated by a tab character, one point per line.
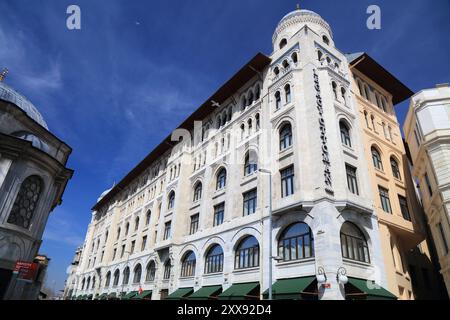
325	40
283	42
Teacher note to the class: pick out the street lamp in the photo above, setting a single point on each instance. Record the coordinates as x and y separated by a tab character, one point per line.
270	230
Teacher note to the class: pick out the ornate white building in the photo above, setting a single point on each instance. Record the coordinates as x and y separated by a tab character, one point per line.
193	220
33	176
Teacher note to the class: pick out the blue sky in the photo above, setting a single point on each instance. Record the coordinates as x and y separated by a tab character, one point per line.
136	69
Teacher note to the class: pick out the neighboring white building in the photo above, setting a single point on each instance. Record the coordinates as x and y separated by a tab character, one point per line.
195	214
427	132
33	177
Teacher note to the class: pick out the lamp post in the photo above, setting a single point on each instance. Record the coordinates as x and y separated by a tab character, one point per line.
270	229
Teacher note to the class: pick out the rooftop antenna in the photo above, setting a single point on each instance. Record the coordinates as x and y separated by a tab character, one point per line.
3	74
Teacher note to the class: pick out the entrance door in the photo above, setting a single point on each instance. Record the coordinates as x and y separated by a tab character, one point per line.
5	278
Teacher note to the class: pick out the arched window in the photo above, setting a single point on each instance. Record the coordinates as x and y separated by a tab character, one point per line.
372	119
257	92
283	42
171	200
285	136
345	134
198	191
353	243
377	98
334	86
108	279
88	283
221	179
277	100
26	202
361	90
167	269
276	71
151	271
251	162
319	55
376	158
214	259
294	57
148	216
326	40
296	242
250	98
127	228
287	93
126	276
243	103
82	284
93	283
118	233
285	64
367	91
343	95
230	113
188	265
247	253
218	122
383	104
136	224
395	168
137	274
250	126
366	118
242	130
328	60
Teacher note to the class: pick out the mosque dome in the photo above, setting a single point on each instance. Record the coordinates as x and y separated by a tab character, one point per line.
9	94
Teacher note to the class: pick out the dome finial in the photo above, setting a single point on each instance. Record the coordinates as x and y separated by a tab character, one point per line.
298	6
3	74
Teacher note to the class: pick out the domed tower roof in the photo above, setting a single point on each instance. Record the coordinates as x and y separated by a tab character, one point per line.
295	20
9	94
104	193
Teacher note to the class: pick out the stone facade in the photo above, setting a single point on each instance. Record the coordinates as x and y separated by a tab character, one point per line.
427	132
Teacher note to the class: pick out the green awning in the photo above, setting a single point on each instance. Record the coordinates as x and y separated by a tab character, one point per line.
84	297
103	296
371	289
206	292
289	289
144	294
238	291
129	295
180	293
112	295
89	297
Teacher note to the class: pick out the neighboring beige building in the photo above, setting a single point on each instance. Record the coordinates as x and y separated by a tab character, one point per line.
396	204
427	132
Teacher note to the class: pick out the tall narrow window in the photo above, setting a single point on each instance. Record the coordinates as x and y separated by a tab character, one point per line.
376	159
257	120
395	169
171	200
343	95
136	224
126	276
26	202
167	270
116	278
133	244
277	100
384	199
294	57
137	274
404	208
148	215
250	198
287	93
287	181
219	211
353	243
366	118
151	271
144	243
127	228
319	55
167	228
345	134
296	242
334	86
221	179
214	259
372	119
247	253
198	191
250	164
285	136
352	181
108	279
188	265
427	180
194	223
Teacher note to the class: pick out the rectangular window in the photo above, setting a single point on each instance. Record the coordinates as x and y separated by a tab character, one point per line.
404	207
123	251
352	182
144	243
194	223
427	180
287	181
443	239
218	213
103	254
250	202
133	244
167	228
384	198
